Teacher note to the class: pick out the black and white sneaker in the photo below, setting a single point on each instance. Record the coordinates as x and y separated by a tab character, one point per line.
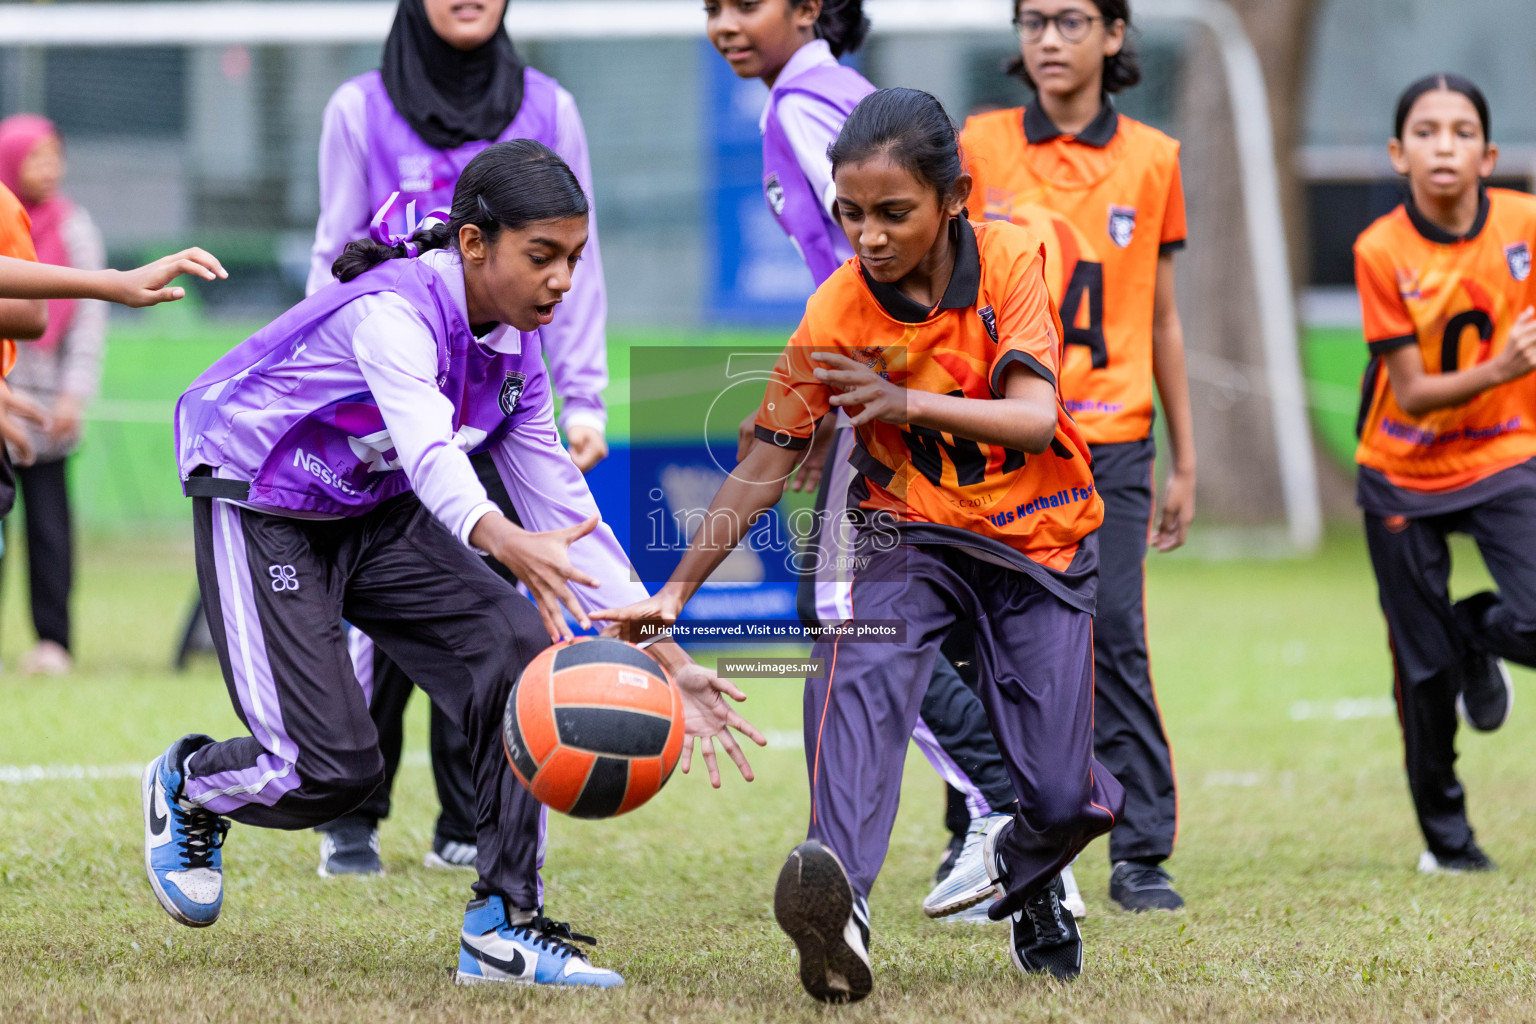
1138	887
814	903
453	856
1043	937
1469	861
1487	692
350	850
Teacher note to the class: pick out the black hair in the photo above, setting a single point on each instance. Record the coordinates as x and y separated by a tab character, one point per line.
842	24
909	127
1434	83
1121	72
509	185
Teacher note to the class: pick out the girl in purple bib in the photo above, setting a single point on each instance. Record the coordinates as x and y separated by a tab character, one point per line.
393	144
329	460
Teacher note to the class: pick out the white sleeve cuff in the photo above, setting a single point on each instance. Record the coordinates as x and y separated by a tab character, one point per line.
584	418
472	520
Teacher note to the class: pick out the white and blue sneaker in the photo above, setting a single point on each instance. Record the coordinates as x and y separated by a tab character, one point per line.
967	883
532	951
182	845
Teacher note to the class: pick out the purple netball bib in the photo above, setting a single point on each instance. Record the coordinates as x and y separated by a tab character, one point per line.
799	211
289	412
398	161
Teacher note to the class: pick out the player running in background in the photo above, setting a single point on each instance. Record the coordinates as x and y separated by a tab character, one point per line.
793	46
941	343
328	459
450	85
1448	440
1118	181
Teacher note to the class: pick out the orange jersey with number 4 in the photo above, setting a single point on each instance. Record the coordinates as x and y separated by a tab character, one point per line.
995	312
1456	300
1118	183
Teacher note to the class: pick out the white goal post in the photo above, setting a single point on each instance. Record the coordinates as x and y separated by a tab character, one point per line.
316	21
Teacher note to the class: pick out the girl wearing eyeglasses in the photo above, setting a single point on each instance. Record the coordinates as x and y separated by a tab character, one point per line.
1118	181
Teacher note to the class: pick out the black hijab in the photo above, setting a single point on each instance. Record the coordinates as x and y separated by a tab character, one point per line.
450	96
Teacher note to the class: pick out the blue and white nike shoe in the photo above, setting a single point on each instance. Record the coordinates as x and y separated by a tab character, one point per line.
535	952
182	846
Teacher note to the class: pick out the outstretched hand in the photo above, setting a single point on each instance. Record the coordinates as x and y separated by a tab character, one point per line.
542	563
149	284
858	385
708	719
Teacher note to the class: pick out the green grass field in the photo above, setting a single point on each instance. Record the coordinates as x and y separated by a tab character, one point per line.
1296	852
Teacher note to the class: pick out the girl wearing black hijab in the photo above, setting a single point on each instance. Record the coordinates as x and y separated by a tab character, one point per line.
393	144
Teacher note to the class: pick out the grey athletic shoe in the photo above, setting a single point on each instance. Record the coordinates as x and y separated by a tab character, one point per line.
1138	886
453	856
967	883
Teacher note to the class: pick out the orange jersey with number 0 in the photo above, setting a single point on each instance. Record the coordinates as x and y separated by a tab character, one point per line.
1118	182
1456	300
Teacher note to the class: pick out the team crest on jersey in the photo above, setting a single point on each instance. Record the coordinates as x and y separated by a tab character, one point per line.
874	358
775	193
1122	225
1408	283
1518	256
511	391
989	318
415	172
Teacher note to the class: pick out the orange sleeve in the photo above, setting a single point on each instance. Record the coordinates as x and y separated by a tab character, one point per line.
1175	229
1028	330
15	228
1387	323
794	400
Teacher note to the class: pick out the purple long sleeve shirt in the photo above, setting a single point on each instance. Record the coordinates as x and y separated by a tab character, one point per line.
576	344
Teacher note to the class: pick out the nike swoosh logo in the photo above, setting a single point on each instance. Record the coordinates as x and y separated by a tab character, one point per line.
514	967
157	821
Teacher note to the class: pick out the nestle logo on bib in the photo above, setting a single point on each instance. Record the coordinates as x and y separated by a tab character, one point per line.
320	471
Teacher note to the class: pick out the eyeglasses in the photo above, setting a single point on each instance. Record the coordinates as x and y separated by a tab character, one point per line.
1073	25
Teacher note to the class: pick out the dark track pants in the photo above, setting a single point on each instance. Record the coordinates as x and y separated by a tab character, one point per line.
50	548
1428	637
277	591
1128	734
1036	685
392	688
952	730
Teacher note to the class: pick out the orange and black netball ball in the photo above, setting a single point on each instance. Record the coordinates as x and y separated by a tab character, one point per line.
593	727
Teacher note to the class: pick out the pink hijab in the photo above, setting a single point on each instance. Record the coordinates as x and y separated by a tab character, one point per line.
19	135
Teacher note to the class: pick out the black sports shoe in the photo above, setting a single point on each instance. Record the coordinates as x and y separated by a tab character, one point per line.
1138	886
951	855
814	903
1043	937
1487	691
350	849
1470	860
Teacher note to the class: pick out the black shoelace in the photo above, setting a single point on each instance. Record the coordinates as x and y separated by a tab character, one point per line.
205	833
556	936
1044	910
